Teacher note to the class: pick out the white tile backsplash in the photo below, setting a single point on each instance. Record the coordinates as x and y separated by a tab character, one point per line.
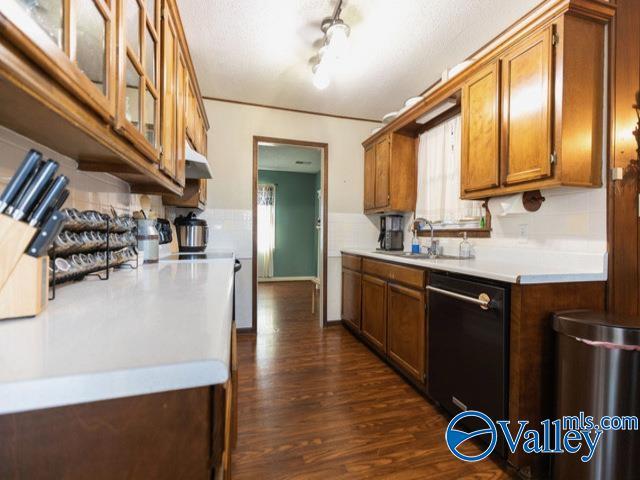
232	229
570	220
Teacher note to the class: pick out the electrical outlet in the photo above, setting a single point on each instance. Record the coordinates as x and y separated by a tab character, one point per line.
523	233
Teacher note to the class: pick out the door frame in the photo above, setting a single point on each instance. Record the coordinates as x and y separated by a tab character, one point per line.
324	187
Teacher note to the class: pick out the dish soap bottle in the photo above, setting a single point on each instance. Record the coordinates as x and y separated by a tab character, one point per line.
415	244
465	247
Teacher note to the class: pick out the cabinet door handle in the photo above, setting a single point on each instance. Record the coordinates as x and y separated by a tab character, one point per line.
483	300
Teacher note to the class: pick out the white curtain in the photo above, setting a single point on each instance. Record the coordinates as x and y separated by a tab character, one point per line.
266	229
439	178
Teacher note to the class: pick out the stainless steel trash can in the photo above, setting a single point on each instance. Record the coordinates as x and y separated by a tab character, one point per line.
598	373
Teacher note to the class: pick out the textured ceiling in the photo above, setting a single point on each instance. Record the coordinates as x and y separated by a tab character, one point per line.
259	51
284	158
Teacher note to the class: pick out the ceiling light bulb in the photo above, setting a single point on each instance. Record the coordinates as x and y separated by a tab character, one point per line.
321	78
337	35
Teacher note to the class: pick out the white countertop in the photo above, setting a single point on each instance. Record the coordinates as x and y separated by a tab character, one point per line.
163	327
526	269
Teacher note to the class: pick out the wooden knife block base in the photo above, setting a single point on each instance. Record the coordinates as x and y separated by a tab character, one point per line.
26	292
15	237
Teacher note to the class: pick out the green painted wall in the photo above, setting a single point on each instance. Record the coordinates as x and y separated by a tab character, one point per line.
296	252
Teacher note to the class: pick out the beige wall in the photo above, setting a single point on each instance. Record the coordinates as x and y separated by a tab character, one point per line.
230	152
231	142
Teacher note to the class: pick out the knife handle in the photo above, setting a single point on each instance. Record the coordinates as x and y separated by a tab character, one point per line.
36	188
50	198
47	234
25	187
19	178
63	198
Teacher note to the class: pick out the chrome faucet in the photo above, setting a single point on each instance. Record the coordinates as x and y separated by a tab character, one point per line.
420	224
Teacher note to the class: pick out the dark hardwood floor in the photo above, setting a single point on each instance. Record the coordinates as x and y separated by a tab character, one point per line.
316	404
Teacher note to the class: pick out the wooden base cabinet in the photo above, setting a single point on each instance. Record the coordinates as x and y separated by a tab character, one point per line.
394	324
385	306
406	330
351	298
374	312
162	436
187	433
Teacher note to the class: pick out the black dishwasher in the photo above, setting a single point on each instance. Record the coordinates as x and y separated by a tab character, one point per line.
468	346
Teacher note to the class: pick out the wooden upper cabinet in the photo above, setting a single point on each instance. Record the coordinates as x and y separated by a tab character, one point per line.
202	193
194	195
180	125
481	130
196	129
138	74
369	178
89	78
390	174
383	160
170	47
191	109
73	41
406	331
527	106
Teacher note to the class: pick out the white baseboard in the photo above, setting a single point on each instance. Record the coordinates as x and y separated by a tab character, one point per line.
286	279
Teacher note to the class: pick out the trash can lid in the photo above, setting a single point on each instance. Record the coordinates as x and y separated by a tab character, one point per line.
598	327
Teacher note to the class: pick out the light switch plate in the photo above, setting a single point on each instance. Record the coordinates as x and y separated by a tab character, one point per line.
523	233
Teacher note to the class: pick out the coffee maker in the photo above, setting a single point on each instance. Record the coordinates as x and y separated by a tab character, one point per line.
391	232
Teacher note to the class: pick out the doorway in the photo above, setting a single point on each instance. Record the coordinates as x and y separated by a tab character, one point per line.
289	226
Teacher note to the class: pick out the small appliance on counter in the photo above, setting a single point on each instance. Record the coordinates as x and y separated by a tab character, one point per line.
30	219
148	239
391	232
192	232
164	231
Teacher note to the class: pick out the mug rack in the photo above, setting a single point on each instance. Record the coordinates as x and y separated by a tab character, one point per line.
100	271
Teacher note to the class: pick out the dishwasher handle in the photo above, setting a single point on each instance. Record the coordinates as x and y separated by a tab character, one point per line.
483	300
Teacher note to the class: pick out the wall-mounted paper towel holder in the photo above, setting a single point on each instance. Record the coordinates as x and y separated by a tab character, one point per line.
532	200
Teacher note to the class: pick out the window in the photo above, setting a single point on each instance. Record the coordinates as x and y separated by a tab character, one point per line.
439	181
266	229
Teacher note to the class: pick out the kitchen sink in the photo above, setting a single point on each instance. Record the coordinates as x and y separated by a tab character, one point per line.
424	256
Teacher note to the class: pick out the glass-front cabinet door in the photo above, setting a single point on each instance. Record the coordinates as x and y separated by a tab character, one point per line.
138	74
72	40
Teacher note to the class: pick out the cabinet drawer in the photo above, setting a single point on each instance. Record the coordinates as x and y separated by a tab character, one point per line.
414	277
351	262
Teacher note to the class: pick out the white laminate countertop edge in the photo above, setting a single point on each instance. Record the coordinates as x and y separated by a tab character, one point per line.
508	272
62	391
163	327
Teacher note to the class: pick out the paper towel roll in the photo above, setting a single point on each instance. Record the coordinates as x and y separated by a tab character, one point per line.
511	205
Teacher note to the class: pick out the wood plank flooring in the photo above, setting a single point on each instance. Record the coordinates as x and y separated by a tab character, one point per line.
316	404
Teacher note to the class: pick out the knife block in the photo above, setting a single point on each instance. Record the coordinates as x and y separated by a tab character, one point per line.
24	280
26	291
14	239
